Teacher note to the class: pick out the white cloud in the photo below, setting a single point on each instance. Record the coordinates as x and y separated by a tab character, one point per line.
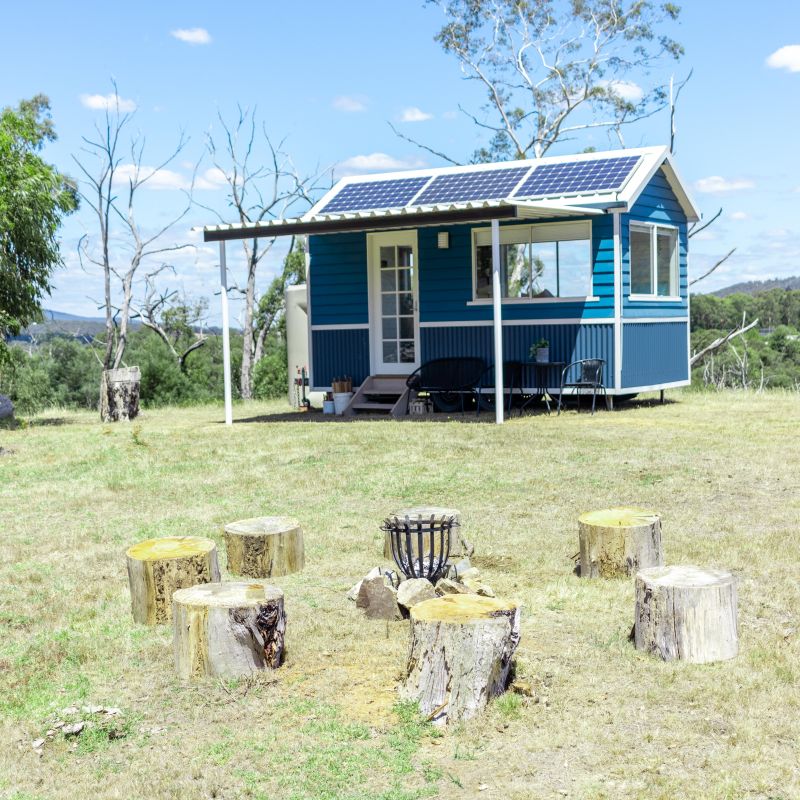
101	102
716	184
787	58
627	90
158	180
414	114
349	104
739	215
378	162
192	35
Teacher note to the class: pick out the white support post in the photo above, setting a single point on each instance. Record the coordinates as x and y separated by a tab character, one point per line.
226	334
617	222
497	309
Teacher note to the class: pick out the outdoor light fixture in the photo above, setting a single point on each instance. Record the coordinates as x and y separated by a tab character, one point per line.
443	240
420	547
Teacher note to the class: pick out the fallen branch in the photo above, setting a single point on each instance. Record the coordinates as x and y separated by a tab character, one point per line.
714	268
717	343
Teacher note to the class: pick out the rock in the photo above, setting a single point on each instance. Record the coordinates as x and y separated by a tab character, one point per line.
414	591
479	588
6	407
70	710
454	571
378	599
73	730
447	586
353	593
37	744
473	573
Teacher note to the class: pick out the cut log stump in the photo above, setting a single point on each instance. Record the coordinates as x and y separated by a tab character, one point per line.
158	567
227	629
459	654
686	613
618	542
459	546
264	547
119	394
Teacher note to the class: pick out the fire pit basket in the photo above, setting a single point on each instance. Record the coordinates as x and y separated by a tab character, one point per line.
420	547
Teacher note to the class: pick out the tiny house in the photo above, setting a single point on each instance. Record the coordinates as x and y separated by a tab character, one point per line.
588	252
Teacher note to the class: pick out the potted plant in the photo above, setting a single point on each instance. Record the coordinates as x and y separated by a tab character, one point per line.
541	351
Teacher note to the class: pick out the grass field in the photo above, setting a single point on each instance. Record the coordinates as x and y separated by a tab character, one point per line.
605	722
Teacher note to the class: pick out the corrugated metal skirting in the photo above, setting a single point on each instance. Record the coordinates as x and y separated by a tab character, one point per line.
339	353
654	353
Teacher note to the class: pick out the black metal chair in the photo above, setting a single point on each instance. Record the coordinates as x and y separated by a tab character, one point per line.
448	381
589	376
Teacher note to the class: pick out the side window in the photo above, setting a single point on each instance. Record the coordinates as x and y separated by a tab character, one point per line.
654	260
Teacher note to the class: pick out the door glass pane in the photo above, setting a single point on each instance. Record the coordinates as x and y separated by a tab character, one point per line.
406	303
544	267
389	327
405	257
389	304
640	261
404	280
407	352
574	268
390	352
665	259
388	280
406	327
387	258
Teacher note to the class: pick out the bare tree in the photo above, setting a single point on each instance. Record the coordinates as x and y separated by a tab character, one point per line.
553	70
739	330
256	192
121	244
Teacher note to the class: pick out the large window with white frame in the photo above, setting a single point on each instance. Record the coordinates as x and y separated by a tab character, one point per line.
654	260
536	261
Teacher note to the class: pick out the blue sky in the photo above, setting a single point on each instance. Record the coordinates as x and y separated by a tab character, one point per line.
329	76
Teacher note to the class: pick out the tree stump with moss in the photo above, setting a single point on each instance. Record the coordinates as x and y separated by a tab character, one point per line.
227	629
459	546
119	394
618	542
264	547
159	567
459	654
686	613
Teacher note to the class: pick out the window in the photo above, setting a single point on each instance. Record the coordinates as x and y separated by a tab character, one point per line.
536	261
654	260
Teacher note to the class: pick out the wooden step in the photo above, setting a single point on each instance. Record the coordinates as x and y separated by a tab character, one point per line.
371	406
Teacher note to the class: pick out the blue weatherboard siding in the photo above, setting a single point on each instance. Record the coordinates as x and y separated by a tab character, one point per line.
339	354
658	204
654	352
339	279
567	342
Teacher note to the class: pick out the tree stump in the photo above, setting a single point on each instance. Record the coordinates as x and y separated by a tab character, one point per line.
459	546
227	629
459	654
119	394
158	567
264	547
618	542
686	613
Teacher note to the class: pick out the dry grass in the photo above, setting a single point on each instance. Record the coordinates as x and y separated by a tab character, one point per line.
607	721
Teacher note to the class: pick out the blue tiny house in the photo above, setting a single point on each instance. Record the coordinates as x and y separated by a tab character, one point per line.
589	252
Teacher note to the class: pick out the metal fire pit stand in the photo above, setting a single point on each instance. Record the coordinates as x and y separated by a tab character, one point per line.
420	547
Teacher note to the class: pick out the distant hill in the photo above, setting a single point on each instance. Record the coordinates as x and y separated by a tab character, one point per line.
753	287
61	316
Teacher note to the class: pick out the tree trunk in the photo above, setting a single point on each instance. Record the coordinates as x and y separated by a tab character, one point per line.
686	613
459	654
227	629
158	567
248	345
119	394
264	547
618	542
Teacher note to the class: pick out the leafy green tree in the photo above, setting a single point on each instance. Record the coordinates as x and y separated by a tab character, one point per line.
34	198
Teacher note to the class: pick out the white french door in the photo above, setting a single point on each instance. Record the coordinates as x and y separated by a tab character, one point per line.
394	309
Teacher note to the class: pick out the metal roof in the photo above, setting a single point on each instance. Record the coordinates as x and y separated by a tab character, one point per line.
316	220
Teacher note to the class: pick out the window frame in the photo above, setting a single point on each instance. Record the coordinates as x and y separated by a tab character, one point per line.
533	233
652	228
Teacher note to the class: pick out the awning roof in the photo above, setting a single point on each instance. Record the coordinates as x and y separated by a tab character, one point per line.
405	217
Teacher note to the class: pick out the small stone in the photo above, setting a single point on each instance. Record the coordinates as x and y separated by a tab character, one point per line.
478	587
112	712
38	744
69	710
378	600
93	709
415	590
373	573
74	729
455	571
473	573
447	586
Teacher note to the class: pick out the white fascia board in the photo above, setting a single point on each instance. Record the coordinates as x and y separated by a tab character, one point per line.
679	188
529	209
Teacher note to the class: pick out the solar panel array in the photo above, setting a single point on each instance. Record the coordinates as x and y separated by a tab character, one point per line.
544	180
577	177
375	194
485	184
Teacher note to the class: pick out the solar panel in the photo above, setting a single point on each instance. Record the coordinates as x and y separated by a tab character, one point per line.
374	194
484	184
577	177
